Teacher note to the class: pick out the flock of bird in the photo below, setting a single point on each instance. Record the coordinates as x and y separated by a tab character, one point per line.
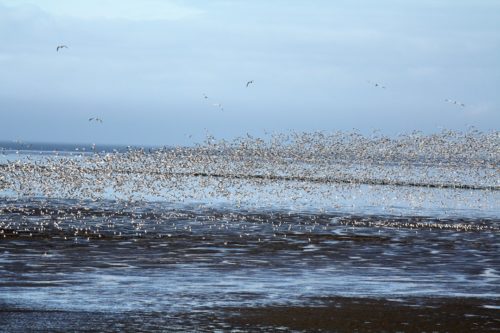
219	105
327	170
293	164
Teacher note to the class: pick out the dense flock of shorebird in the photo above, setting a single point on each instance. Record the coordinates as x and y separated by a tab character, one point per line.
294	167
288	165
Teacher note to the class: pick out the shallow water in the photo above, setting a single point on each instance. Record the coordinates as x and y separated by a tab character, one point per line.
182	263
66	257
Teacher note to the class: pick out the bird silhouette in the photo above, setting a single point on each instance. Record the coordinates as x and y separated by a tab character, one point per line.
96	119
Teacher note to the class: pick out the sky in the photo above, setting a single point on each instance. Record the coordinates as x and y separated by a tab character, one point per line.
144	67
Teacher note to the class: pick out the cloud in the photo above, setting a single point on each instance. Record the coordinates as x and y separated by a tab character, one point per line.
144	10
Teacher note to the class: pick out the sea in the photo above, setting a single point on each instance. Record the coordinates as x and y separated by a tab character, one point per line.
303	232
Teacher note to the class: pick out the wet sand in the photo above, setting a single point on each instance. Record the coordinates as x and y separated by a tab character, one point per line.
331	314
371	315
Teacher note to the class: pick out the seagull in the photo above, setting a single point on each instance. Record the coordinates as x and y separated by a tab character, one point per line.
205	96
218	105
96	119
249	82
455	102
376	84
61	47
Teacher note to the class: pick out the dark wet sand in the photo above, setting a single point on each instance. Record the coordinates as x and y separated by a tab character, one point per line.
333	314
371	315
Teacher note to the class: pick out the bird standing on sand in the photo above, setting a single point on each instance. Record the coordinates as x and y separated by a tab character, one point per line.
60	47
249	82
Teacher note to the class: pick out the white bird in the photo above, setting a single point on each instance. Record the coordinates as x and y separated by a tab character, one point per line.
219	106
455	102
376	84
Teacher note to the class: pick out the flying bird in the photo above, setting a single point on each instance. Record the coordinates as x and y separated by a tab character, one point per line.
61	47
96	119
219	106
455	102
249	82
376	84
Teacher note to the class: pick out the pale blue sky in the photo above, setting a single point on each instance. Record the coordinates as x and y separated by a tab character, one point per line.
144	65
